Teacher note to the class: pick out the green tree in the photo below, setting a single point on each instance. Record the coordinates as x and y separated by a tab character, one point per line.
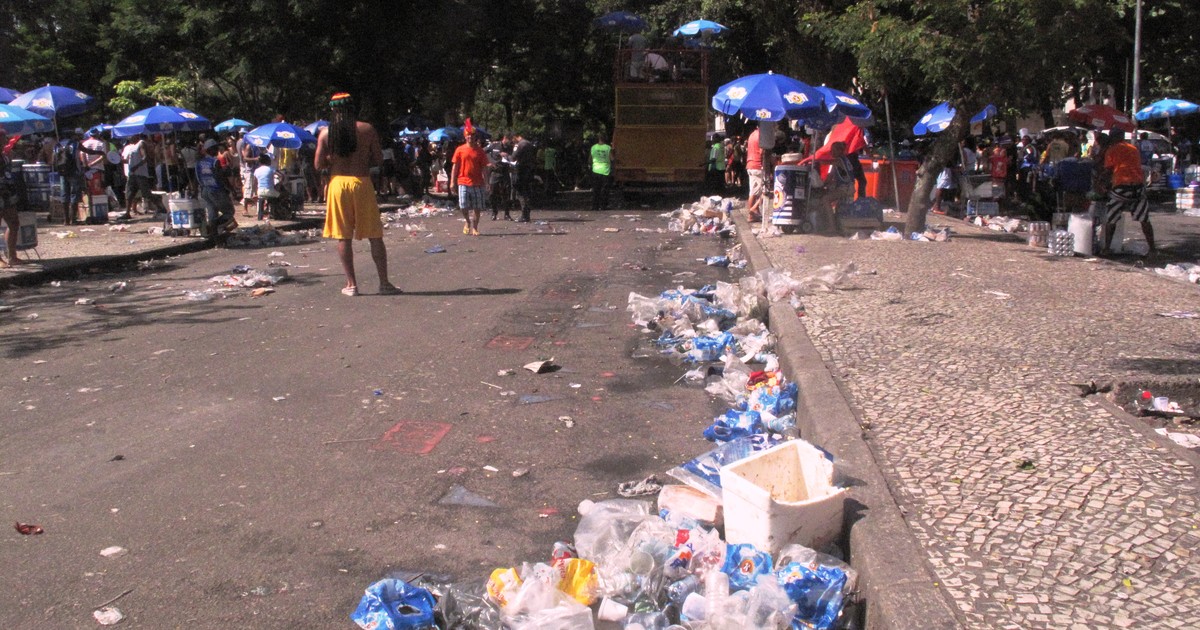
969	53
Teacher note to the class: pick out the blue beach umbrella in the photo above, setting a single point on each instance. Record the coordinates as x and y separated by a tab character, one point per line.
937	119
54	101
698	27
7	95
1166	108
280	135
445	133
768	97
160	119
622	21
226	126
839	102
18	121
99	129
315	127
410	133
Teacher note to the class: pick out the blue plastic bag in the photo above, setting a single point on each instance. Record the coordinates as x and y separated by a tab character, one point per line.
392	604
743	564
817	590
734	424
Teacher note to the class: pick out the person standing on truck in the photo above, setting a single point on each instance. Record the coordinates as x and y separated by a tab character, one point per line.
602	158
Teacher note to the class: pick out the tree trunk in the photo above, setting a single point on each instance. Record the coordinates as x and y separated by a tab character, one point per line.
943	152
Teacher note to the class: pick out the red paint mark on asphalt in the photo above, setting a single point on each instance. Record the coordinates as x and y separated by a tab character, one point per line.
608	374
505	342
484	439
547	512
412	437
597	398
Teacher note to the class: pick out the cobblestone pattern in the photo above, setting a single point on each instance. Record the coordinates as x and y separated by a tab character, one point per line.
1038	508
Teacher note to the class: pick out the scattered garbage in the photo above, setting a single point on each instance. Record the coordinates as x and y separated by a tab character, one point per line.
1181	271
266	235
393	604
28	529
108	616
1000	223
113	551
709	215
1181	315
541	367
436	249
1186	440
775	496
85	302
250	278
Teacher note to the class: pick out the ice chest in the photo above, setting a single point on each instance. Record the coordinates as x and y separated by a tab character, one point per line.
27	234
781	496
185	213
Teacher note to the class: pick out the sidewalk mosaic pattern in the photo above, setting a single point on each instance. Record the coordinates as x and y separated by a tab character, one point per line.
1037	507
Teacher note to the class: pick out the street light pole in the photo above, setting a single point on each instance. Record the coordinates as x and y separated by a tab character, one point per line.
1137	54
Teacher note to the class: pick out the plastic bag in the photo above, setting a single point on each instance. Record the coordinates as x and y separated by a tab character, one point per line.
744	564
704	471
818	583
769	606
733	380
577	578
503	586
392	604
734	424
644	309
604	530
541	606
467	607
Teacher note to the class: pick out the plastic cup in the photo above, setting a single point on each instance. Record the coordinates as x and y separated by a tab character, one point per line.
1161	403
693	607
641	563
612	610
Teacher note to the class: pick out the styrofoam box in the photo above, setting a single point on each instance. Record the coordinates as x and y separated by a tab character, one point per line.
781	496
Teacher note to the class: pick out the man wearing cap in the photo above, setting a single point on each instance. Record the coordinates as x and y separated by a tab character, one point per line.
211	178
349	148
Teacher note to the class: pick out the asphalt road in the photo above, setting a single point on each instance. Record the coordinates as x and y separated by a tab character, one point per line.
261	458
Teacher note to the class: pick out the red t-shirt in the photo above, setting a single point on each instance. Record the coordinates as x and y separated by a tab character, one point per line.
998	160
1125	162
471	163
753	153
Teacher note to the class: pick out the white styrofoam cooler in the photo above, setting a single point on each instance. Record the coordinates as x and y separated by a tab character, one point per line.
781	496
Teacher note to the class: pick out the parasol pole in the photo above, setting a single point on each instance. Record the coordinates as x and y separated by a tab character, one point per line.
887	109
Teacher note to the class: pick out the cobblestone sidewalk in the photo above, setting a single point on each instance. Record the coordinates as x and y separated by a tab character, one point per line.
1038	508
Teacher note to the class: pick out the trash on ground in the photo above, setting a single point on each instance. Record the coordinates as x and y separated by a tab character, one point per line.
458	495
1181	315
436	249
113	551
1181	271
1186	440
541	367
649	485
709	215
394	604
108	616
28	529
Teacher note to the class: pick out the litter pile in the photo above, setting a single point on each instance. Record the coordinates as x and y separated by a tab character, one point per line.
1181	271
735	546
266	235
425	208
710	215
939	235
237	280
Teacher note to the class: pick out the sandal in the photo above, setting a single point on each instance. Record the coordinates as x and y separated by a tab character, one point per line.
467	228
350	291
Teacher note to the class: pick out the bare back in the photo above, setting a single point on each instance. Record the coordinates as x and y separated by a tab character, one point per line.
368	154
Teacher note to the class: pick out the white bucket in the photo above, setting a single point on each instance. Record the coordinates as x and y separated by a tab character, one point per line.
1081	227
781	496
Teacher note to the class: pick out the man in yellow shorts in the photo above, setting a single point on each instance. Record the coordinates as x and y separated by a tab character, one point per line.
349	148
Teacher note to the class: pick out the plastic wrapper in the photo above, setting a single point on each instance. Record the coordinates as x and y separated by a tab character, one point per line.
467	607
733	425
644	309
541	606
769	606
817	583
392	604
604	531
704	471
503	586
707	349
744	564
577	578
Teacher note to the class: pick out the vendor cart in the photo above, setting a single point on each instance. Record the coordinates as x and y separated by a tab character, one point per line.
981	195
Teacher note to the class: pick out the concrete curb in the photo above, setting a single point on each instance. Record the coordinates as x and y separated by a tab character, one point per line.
896	585
70	269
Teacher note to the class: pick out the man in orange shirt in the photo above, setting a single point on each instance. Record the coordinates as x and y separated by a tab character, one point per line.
1122	171
469	173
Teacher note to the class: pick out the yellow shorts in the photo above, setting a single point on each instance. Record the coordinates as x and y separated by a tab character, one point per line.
351	211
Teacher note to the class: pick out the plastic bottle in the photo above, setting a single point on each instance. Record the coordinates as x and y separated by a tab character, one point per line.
1145	400
678	591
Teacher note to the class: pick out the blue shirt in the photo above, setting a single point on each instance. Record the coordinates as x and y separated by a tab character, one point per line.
207	173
